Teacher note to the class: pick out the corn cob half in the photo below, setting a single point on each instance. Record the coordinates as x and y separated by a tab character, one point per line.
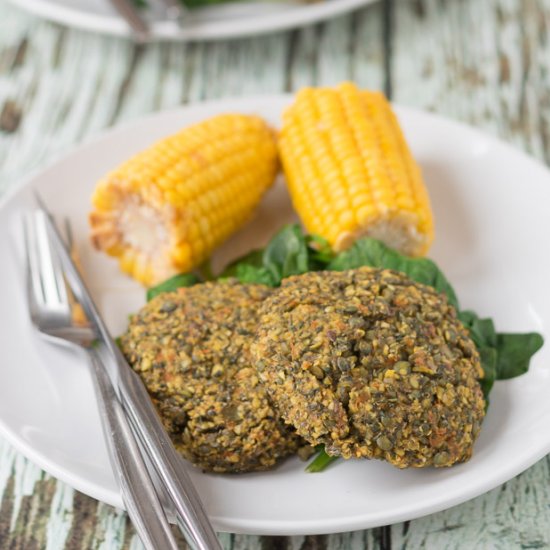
350	172
164	210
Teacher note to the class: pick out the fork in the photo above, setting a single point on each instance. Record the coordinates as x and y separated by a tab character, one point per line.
168	465
51	314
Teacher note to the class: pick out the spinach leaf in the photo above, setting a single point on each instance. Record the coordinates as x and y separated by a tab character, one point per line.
482	331
320	253
488	357
175	282
288	253
374	253
247	273
320	462
252	259
503	355
514	353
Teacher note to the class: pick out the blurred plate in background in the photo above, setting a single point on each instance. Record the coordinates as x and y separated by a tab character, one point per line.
212	23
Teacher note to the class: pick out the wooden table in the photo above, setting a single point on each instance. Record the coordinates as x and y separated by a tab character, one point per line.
486	62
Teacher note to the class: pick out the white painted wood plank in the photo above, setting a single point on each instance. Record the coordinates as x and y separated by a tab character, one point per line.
111	528
60	518
7	461
25	477
348	48
367	53
248	67
484	63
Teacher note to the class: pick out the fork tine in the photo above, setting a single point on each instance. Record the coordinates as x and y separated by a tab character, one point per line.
69	233
53	282
51	263
35	291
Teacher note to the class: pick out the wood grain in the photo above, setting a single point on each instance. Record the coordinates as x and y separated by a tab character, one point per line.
483	62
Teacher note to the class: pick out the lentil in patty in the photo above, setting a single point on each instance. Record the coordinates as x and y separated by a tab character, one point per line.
371	364
191	349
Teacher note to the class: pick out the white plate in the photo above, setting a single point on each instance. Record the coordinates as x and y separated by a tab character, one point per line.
491	206
212	23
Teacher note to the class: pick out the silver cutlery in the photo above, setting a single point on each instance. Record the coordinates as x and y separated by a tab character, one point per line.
51	314
144	421
173	11
130	13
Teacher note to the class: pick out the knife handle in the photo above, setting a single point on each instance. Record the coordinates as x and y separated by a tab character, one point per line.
138	492
168	464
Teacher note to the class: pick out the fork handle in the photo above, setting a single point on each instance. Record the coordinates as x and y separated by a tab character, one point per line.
138	491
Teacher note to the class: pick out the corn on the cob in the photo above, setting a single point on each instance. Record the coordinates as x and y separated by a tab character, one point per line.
350	172
165	210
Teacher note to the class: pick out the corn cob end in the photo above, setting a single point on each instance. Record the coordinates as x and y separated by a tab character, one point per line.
350	172
166	209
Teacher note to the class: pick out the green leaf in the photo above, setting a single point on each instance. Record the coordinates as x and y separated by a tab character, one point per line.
320	462
286	254
484	336
482	331
250	274
514	353
503	355
320	253
363	252
178	281
373	253
488	359
253	259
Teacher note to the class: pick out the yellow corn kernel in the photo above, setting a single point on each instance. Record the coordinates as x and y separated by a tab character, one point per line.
350	172
164	210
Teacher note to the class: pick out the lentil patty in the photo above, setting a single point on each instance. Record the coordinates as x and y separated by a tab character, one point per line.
371	364
191	349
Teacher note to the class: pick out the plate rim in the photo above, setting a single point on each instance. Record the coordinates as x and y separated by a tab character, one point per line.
275	527
209	31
